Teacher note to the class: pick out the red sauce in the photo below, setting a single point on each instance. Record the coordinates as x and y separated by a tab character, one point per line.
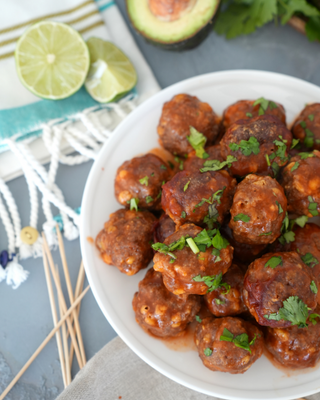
90	240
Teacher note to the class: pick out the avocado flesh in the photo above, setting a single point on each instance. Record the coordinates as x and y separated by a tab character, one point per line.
173	32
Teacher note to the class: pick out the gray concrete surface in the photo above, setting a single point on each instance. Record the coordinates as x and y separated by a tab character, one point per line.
25	317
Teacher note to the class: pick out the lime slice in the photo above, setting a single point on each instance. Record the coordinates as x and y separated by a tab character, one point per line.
111	73
52	60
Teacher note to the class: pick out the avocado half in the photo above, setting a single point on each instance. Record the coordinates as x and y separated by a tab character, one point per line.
184	33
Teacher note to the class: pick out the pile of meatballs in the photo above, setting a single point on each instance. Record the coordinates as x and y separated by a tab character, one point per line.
225	214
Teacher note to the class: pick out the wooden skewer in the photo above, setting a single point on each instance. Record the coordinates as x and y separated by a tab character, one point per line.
43	344
63	303
55	318
70	292
79	288
65	341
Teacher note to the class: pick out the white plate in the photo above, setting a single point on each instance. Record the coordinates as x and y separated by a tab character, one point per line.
114	291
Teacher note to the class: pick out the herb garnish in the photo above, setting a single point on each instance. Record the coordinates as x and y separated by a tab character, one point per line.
305	155
213	282
198	319
303	124
309	138
241	341
170	164
313	287
247	147
294	143
281	151
275	168
264	104
296	166
265	234
193	246
312	318
163	166
242	217
311	117
273	262
249	115
134	203
207	352
219	302
279	207
312	208
287	226
183	214
293	310
309	260
180	162
215	197
197	141
186	186
144	180
216	165
149	199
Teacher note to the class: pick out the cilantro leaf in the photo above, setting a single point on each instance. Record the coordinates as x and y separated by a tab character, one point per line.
216	165
294	6
305	155
265	234
198	319
149	199
197	141
309	260
312	318
183	214
279	207
301	221
313	29
241	340
264	104
168	249
249	115
296	166
311	117
219	302
219	242
313	287
215	197
186	186
207	352
170	164
242	217
144	180
163	167
294	143
312	208
293	310
275	168
247	147
226	336
203	238
273	262
134	203
212	281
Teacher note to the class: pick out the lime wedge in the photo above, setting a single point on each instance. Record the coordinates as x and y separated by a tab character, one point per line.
52	60
111	73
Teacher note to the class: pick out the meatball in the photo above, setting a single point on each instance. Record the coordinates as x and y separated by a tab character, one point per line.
258	209
306	128
243	252
295	347
125	240
142	178
194	163
189	272
245	109
164	228
227	300
198	197
301	183
161	312
178	115
260	144
277	285
223	355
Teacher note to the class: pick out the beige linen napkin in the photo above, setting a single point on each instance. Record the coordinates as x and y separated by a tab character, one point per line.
116	372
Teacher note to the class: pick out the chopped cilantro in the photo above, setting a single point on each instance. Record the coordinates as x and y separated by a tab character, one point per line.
301	221
296	165
149	199
303	124
309	138
247	147
273	262
293	310
313	287
226	336
287	237
180	162
193	246
134	203
249	115
163	166
309	260
215	197
167	249
282	148
265	234
311	117
159	195
152	174
305	155
242	217
216	253
186	186
294	143
312	318
198	319
219	242
170	164
207	352
219	302
172	260
312	207
279	207
264	104
216	165
212	281
275	168
241	341
204	238
183	214
197	141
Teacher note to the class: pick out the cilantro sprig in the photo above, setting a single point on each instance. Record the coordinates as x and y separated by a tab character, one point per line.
197	141
247	147
309	260
287	225
312	208
293	310
241	340
273	262
216	165
264	104
144	180
213	282
241	217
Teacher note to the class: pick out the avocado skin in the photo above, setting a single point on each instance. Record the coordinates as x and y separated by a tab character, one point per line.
187	44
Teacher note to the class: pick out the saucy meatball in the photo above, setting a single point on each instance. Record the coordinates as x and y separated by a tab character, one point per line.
194	163
307	127
245	109
260	144
222	355
125	240
142	178
227	300
295	347
301	183
178	115
187	271
258	210
277	285
164	228
161	312
243	252
198	197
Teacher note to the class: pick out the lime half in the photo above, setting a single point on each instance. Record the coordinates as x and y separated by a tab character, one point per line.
111	73
52	60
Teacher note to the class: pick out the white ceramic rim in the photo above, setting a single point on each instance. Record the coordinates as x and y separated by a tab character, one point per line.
115	321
